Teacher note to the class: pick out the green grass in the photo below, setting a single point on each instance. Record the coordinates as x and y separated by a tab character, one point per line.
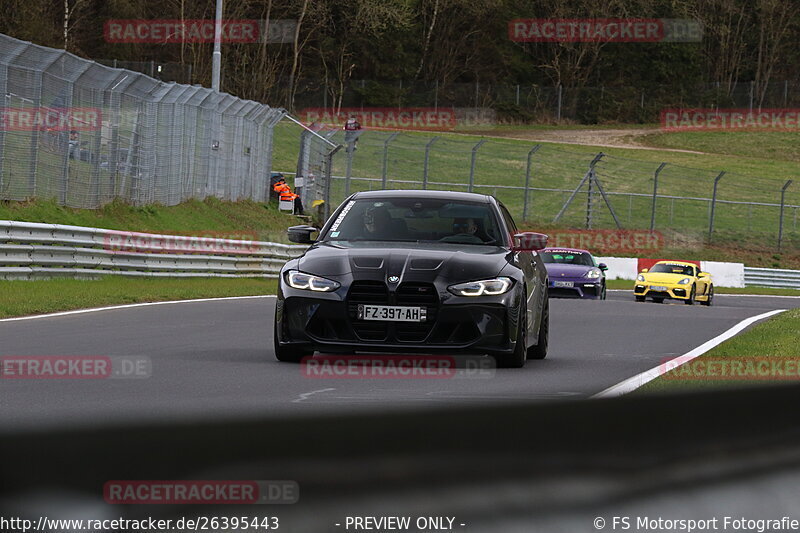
210	217
773	340
628	285
756	145
20	298
501	162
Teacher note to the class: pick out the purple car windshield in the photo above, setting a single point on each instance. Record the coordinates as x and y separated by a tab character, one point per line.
568	258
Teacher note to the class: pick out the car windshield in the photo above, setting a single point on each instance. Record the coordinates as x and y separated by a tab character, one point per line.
415	220
566	257
668	268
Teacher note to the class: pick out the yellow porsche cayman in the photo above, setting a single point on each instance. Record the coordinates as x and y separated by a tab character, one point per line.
676	280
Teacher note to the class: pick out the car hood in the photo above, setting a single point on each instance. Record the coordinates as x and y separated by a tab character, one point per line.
664	277
563	270
408	261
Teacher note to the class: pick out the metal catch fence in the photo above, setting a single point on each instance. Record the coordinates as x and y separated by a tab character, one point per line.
85	134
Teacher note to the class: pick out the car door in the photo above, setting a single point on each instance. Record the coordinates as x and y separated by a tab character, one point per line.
528	262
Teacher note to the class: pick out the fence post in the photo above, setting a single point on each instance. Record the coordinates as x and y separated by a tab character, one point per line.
713	205
783	203
436	96
655	195
348	170
472	164
528	179
386	158
427	158
329	178
558	110
517	99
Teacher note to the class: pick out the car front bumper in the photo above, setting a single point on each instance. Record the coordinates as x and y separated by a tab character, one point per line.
581	288
673	292
328	323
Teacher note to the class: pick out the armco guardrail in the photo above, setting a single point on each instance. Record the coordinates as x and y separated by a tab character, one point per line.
33	251
772	277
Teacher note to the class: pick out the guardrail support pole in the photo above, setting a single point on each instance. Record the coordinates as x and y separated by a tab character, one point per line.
655	196
425	165
385	170
528	177
713	205
472	164
783	203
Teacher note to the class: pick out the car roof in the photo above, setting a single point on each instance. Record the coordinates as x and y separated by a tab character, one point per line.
556	248
412	193
668	262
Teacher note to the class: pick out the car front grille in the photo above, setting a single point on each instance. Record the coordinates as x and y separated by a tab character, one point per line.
376	293
367	292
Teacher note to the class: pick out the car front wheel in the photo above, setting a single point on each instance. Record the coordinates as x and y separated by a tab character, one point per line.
690	301
516	359
287	354
540	350
710	297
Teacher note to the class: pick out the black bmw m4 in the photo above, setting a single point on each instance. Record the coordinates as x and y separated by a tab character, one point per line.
422	272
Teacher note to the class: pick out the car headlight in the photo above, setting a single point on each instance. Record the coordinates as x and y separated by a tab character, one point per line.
486	287
303	281
684	281
640	277
594	273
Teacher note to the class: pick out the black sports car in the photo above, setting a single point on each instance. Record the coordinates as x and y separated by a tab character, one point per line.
427	272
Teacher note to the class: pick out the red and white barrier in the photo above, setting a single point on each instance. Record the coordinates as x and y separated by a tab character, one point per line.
723	274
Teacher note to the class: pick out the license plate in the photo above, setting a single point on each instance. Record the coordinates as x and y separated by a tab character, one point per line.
658	288
563	284
394	313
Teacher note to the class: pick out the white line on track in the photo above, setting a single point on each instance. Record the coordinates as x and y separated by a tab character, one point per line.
304	396
129	306
631	384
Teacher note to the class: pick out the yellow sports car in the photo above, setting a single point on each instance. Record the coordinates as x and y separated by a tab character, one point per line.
674	279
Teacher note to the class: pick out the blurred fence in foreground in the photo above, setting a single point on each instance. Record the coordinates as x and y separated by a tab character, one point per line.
543	185
84	134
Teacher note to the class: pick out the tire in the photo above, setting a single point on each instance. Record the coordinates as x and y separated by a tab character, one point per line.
710	298
516	359
639	298
287	354
540	350
690	301
658	300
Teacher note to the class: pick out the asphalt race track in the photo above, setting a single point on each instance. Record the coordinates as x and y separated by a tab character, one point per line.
213	360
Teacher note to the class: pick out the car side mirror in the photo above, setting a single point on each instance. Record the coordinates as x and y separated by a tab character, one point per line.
603	267
301	234
703	275
644	270
528	241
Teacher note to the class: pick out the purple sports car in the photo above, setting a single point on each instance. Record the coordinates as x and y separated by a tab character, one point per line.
574	273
